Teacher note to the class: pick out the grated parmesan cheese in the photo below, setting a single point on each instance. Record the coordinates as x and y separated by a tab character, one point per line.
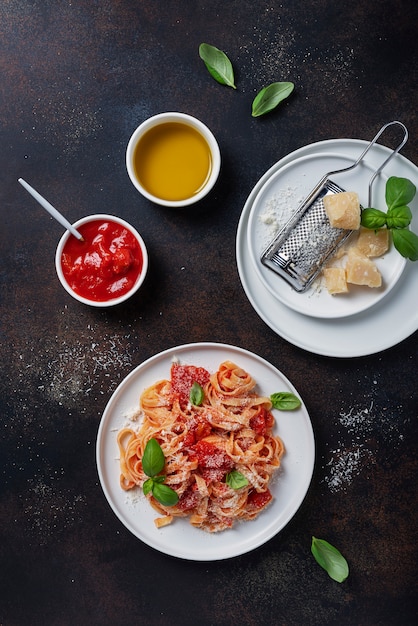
277	210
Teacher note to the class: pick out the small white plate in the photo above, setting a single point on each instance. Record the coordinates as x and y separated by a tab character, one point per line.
280	196
388	323
180	539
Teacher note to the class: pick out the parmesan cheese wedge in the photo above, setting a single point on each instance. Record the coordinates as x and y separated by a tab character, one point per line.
343	210
335	280
361	271
373	243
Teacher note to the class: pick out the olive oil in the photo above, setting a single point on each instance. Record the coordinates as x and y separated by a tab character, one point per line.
172	161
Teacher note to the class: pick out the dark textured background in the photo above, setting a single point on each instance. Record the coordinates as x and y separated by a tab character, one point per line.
77	77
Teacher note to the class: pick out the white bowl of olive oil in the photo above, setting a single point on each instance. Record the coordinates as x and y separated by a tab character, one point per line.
173	159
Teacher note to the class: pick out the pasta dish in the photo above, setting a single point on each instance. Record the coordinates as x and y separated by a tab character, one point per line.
227	435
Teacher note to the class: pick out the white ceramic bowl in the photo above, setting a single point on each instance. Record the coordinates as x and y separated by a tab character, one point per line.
164	118
111	301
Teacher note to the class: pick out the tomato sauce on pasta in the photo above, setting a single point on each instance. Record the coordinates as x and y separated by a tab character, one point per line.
231	430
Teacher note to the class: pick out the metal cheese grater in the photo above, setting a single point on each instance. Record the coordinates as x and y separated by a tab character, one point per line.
304	244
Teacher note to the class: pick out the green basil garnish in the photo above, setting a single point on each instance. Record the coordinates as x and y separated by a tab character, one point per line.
399	217
164	494
152	463
373	218
399	192
196	394
330	559
147	486
406	243
285	401
269	97
236	480
217	64
153	458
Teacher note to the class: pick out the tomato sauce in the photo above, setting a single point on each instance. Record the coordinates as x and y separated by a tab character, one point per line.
189	499
197	428
213	462
262	422
183	377
106	264
259	500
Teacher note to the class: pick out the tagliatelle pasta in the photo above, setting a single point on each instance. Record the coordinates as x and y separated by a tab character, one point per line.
230	431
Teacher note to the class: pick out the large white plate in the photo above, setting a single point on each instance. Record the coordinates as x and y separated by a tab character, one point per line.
280	196
384	325
180	539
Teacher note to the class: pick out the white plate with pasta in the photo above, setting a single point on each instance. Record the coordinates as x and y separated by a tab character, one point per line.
288	485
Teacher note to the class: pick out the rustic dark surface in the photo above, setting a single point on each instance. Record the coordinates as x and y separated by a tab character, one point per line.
76	79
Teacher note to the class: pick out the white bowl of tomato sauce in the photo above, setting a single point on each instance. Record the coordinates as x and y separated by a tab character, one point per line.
107	267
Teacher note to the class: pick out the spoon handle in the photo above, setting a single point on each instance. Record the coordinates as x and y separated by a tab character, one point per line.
51	210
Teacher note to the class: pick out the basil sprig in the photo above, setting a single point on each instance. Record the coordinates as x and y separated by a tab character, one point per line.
331	559
152	464
270	97
217	64
399	193
197	394
285	401
235	479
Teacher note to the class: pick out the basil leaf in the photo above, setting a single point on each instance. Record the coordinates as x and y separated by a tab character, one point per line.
147	486
165	495
269	97
153	458
406	243
217	64
373	218
236	480
399	191
196	394
158	479
285	401
399	217
330	559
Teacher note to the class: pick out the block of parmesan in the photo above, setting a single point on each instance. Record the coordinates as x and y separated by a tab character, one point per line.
343	210
373	243
360	270
335	280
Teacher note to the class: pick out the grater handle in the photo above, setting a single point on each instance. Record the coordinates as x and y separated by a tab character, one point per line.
392	154
365	151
